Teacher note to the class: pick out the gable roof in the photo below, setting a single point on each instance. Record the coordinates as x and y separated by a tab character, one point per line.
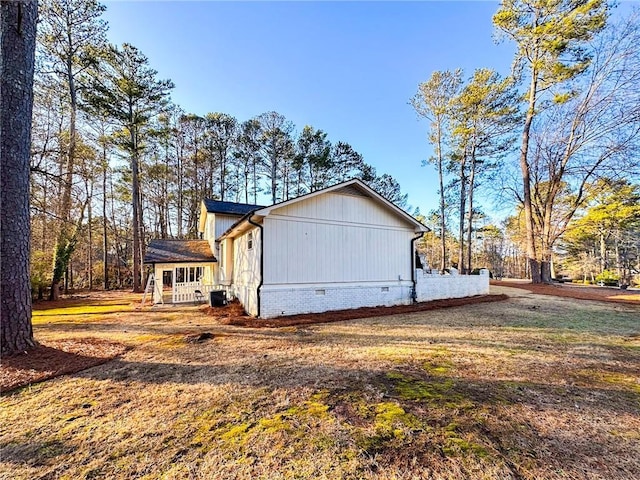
354	187
229	208
178	251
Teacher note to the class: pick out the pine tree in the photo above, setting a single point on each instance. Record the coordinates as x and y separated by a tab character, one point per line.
17	57
434	102
125	88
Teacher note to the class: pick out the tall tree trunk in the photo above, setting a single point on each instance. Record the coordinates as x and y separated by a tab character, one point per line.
135	203
463	201
90	242
255	183
116	239
274	179
105	244
179	197
142	239
620	267
246	186
532	259
64	241
223	175
443	225
17	53
71	148
545	262
472	178
546	241
603	253
164	215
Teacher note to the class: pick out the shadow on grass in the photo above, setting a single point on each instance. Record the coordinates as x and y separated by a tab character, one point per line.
408	385
132	311
44	305
44	362
34	453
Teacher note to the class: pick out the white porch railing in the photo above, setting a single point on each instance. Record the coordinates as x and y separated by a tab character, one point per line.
185	292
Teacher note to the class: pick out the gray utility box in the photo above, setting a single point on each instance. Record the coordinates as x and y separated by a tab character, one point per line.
217	298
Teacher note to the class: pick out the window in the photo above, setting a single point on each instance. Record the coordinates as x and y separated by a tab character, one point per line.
250	241
189	274
180	275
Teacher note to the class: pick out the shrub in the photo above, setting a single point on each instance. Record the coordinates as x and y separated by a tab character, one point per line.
609	278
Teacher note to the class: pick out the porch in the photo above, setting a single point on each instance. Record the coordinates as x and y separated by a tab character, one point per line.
190	283
183	270
189	292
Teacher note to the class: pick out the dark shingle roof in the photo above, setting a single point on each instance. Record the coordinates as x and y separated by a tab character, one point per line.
229	208
178	251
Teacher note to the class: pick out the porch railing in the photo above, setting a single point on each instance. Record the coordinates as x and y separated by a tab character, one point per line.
185	292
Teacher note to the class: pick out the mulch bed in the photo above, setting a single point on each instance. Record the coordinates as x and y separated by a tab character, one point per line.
54	358
230	314
600	294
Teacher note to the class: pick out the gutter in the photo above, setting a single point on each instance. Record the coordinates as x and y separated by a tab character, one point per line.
261	260
414	294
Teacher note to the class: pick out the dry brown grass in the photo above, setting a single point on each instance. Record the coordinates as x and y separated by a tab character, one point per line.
533	387
55	358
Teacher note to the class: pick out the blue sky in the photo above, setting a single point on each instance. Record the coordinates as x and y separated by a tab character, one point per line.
348	68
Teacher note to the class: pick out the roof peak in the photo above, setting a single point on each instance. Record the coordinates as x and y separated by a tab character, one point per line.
230	208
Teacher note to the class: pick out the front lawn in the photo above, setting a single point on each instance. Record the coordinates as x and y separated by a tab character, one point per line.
528	388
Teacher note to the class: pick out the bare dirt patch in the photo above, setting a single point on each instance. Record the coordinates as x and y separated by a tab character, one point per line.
55	358
580	292
233	314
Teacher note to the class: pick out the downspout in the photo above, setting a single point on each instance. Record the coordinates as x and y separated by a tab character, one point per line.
414	293
261	261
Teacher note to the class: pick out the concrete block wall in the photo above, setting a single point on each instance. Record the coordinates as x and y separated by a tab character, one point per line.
436	287
276	301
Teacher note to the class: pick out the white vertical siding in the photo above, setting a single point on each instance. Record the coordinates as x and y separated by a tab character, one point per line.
343	208
215	225
209	230
223	222
225	261
336	238
246	270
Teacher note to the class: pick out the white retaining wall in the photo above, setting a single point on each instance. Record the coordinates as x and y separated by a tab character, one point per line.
276	301
436	287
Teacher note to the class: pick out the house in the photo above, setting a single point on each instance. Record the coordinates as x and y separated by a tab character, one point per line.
344	246
190	265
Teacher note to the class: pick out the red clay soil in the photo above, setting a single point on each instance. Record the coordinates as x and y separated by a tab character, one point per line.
55	358
580	292
233	314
